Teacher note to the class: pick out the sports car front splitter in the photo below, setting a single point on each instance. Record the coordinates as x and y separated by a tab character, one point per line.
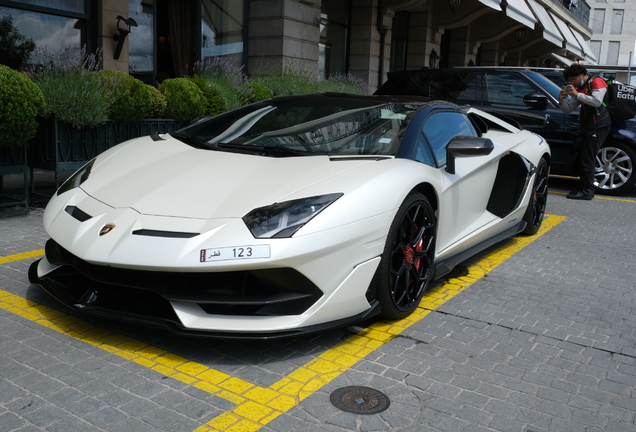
85	303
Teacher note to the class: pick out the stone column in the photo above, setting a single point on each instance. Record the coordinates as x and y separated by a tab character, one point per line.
108	10
490	54
364	56
421	40
459	50
284	36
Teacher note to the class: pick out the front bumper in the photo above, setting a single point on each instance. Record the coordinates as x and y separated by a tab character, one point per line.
167	299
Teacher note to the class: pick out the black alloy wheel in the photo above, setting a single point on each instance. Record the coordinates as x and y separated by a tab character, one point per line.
536	207
615	165
406	268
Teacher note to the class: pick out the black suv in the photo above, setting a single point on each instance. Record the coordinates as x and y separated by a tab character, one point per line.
532	100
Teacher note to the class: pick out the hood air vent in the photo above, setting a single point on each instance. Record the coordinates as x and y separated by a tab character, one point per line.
77	213
168	234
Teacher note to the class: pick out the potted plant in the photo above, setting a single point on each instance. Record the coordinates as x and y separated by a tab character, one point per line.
21	102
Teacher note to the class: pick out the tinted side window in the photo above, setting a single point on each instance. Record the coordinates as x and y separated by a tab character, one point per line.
458	87
441	127
405	84
507	88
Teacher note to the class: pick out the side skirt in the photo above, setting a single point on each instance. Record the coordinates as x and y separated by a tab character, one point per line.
444	267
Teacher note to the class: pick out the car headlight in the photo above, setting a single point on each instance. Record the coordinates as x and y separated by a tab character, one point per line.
282	220
80	176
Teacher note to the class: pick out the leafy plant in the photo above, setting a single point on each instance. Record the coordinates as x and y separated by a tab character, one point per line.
254	92
158	103
214	101
131	98
223	75
288	82
72	90
21	102
295	80
15	48
344	83
185	102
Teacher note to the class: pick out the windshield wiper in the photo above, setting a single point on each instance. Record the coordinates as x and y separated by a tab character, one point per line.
261	149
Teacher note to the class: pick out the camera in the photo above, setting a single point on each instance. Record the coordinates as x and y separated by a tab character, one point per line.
567	89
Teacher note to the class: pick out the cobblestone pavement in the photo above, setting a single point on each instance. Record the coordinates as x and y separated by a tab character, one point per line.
540	336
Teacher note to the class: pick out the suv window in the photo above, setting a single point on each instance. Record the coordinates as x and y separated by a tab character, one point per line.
441	127
458	87
548	84
507	88
413	84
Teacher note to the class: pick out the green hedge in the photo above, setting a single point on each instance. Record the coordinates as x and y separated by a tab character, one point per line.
185	101
21	102
131	98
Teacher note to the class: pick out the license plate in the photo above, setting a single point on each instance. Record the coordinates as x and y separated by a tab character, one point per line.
234	253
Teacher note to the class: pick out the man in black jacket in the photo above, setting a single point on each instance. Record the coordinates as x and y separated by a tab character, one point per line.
594	122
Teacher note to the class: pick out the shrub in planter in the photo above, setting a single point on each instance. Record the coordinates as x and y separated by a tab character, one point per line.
214	101
158	103
342	83
131	98
185	101
21	102
224	75
254	92
73	92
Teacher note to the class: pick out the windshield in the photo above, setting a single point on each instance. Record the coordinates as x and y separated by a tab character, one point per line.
305	126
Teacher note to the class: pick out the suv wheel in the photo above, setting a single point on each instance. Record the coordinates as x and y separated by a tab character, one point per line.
615	165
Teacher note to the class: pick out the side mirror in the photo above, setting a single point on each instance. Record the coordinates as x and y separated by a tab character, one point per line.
466	146
536	100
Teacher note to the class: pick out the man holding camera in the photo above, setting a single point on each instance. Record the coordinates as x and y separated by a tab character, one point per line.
594	122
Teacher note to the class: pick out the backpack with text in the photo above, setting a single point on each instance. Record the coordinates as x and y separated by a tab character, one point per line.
620	100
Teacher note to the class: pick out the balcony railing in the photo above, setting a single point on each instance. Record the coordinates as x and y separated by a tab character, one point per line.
579	8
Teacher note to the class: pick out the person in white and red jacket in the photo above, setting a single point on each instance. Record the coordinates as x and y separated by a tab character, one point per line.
594	121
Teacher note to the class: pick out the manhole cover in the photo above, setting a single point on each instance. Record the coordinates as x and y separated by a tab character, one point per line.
359	400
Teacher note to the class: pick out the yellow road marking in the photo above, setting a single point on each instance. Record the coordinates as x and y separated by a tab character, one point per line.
21	256
329	365
256	406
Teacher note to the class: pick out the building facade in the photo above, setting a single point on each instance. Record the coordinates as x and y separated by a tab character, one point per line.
367	38
613	42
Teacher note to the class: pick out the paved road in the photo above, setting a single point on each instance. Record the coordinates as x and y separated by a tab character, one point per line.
539	336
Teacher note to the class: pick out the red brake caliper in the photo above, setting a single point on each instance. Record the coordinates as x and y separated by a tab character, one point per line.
409	253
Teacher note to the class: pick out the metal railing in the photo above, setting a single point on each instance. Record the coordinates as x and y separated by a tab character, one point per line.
579	8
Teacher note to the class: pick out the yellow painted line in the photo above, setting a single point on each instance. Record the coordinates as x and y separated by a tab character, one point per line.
166	363
603	197
256	406
21	256
251	416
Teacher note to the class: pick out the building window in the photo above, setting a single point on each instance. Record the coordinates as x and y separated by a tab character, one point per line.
595	45
141	47
222	28
598	20
612	53
53	25
334	32
617	22
64	5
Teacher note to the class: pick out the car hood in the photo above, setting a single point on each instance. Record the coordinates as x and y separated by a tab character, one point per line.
170	178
